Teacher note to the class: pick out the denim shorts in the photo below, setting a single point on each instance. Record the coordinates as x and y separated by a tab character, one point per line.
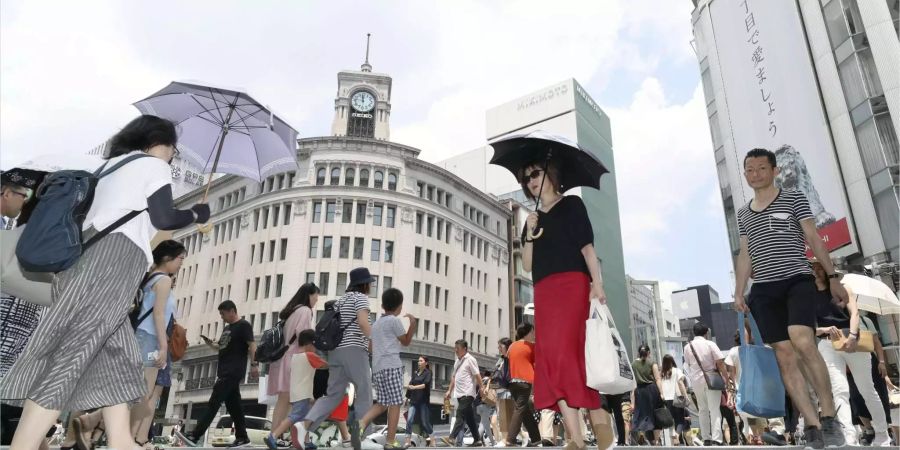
299	410
147	343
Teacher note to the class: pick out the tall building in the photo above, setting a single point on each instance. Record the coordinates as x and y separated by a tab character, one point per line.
565	109
816	81
644	325
701	303
351	199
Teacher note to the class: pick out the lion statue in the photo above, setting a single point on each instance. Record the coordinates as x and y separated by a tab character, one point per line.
794	175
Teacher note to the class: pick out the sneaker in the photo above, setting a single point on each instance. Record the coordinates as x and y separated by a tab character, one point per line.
298	435
393	445
773	438
271	444
881	440
189	441
814	438
476	444
310	446
500	444
832	432
547	443
240	442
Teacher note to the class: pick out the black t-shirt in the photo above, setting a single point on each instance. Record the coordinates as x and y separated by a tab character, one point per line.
234	344
828	314
419	396
567	229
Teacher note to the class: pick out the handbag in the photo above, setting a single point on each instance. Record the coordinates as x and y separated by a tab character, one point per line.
714	380
32	287
662	418
603	347
681	401
488	394
865	343
760	389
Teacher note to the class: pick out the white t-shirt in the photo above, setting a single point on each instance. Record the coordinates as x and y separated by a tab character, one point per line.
126	190
465	370
732	359
385	343
670	385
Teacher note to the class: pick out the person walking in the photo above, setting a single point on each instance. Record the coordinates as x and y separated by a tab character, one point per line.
672	388
774	228
500	383
464	385
236	348
702	360
567	276
418	391
647	396
484	411
834	323
521	372
85	337
297	315
349	361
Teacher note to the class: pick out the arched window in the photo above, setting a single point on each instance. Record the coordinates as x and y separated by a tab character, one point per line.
320	177
335	176
392	181
349	177
379	179
364	177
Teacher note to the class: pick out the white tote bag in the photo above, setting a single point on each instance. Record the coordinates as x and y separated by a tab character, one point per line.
32	287
262	397
602	348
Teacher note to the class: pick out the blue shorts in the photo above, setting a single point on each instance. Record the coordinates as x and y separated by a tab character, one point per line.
147	343
299	410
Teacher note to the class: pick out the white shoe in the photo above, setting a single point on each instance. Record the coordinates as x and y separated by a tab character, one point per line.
500	444
882	440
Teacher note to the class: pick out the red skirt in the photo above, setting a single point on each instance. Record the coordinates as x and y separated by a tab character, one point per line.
561	306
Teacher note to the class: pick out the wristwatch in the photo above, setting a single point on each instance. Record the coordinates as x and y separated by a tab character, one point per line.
835	276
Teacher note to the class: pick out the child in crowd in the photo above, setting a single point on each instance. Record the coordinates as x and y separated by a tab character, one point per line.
387	337
303	369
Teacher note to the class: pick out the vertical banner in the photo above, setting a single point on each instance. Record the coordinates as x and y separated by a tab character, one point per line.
773	102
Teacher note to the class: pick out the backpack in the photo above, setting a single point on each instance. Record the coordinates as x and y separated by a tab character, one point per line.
329	331
177	341
271	345
134	313
52	241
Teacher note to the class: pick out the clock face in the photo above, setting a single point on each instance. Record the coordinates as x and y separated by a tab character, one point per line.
363	101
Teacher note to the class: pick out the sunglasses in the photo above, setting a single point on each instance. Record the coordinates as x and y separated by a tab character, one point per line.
532	176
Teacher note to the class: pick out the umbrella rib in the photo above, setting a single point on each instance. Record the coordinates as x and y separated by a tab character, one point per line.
205	110
219	108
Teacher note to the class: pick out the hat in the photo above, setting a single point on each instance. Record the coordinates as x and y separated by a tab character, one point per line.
26	178
359	276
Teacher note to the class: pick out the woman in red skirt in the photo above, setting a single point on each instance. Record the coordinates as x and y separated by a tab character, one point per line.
566	277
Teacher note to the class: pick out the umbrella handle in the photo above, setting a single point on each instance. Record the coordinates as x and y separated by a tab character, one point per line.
535	234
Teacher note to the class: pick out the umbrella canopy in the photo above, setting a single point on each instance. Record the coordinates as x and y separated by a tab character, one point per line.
872	294
224	130
577	166
63	161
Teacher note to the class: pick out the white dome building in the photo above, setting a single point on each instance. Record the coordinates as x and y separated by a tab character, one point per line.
356	200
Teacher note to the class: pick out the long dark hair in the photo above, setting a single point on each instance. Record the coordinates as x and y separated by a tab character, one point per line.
644	352
301	298
143	133
668	365
427	362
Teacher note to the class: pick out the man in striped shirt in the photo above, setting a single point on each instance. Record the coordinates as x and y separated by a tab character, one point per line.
773	227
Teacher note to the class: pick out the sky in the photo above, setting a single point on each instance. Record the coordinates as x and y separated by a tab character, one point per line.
70	71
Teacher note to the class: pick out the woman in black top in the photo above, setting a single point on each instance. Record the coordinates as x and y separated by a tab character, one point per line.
418	391
834	321
566	276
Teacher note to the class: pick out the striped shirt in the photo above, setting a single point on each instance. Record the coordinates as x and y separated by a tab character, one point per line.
775	238
349	305
464	372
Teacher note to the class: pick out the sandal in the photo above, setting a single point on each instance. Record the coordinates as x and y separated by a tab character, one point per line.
145	446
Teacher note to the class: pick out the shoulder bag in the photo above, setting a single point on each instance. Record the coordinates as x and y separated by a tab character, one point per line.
714	380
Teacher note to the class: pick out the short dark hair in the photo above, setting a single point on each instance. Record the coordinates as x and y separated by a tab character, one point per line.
391	299
762	153
700	329
462	343
306	337
506	342
551	172
142	133
227	305
523	330
167	250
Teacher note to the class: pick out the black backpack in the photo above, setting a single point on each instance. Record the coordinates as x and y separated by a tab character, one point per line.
271	346
134	314
329	331
52	241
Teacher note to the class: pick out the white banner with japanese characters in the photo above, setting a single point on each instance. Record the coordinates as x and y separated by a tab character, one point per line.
773	102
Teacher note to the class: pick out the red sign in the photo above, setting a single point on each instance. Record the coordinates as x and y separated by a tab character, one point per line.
835	235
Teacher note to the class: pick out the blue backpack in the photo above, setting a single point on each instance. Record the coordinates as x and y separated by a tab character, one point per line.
52	241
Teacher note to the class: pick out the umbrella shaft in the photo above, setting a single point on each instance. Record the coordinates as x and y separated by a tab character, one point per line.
218	152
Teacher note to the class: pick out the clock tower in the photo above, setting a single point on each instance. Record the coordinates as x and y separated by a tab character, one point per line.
362	107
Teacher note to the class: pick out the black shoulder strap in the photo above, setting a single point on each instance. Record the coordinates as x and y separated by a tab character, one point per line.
149	311
100	173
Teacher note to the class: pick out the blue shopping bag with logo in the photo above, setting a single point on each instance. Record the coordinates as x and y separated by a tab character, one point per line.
760	388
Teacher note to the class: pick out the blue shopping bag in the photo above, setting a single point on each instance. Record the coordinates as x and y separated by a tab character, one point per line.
760	389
